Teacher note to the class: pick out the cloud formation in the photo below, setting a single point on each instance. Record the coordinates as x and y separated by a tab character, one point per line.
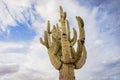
28	60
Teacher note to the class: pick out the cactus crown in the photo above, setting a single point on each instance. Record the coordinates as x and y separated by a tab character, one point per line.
59	43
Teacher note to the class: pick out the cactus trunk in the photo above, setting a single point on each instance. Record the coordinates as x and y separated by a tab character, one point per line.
66	53
67	72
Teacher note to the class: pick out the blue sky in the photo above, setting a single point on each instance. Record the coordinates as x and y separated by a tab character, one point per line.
22	23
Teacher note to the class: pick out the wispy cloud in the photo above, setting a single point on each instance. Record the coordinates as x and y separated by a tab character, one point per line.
28	60
8	69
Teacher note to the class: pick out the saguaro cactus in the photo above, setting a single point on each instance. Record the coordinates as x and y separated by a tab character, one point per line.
60	47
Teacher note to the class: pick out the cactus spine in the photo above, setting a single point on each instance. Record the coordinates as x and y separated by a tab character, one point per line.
60	47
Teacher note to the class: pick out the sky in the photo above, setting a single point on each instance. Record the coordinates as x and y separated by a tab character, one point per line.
22	23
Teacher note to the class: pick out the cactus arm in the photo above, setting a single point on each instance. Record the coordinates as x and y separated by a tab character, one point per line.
68	30
48	27
56	47
54	58
81	38
73	40
58	32
41	41
46	39
72	54
81	29
79	64
54	52
79	51
57	26
62	20
48	34
62	15
80	21
45	42
53	33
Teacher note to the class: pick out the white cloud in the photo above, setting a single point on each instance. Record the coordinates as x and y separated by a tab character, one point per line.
31	64
5	17
7	45
99	42
12	11
47	10
8	69
34	64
